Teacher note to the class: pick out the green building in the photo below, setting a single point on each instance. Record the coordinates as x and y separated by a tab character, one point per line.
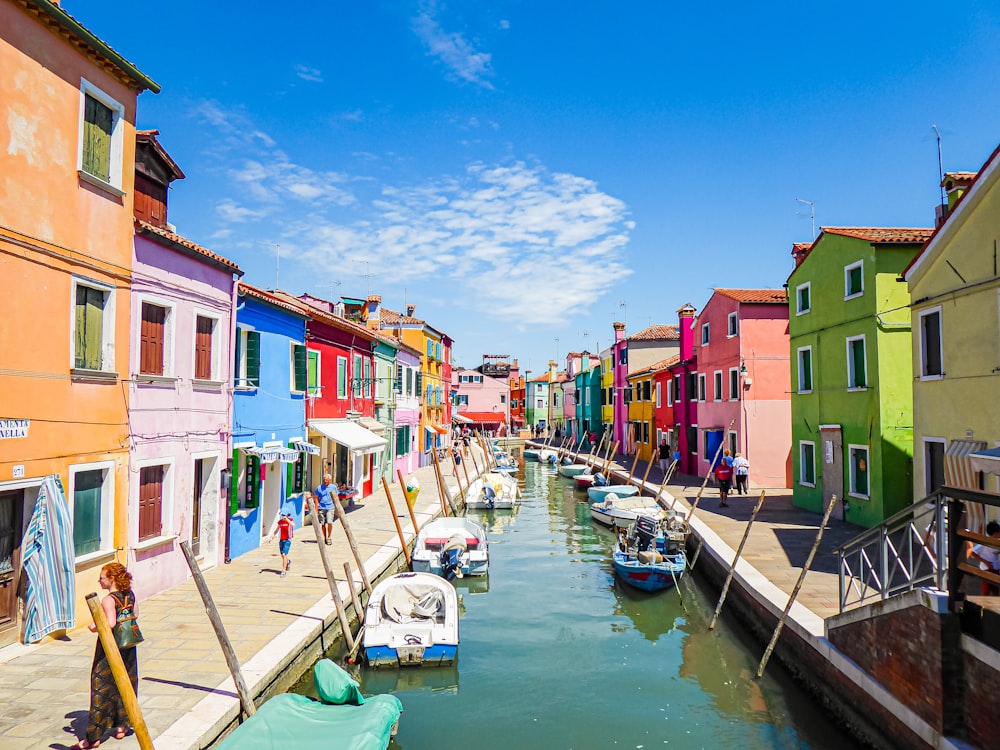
851	373
588	401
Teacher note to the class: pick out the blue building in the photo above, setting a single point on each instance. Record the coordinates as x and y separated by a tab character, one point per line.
269	418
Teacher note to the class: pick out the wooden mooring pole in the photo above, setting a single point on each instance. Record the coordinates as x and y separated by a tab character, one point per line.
395	520
406	497
798	586
350	540
220	632
736	559
338	603
635	462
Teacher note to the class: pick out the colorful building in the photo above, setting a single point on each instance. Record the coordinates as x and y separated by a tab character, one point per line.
588	398
66	231
270	388
684	375
956	349
407	413
852	395
608	392
743	399
619	382
640	397
481	400
663	411
537	396
180	373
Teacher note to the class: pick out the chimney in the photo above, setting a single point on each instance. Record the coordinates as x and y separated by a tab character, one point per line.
619	331
552	371
373	315
799	251
410	309
686	315
955	185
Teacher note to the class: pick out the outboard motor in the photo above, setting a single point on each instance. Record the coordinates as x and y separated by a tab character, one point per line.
490	494
451	557
600	480
567	461
645	533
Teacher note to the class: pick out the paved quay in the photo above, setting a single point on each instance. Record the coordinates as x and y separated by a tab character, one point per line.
185	690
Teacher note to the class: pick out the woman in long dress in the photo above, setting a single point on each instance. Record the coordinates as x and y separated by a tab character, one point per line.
107	709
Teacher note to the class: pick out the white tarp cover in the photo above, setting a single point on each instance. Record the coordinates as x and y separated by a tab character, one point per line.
350	434
405	603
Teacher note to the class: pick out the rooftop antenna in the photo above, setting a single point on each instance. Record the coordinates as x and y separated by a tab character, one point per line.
937	133
812	214
367	274
586	335
332	286
557	351
623	305
277	260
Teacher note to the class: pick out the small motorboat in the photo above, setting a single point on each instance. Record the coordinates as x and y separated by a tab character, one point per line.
569	469
452	547
493	491
622	511
547	456
531	454
597	494
651	554
411	620
299	721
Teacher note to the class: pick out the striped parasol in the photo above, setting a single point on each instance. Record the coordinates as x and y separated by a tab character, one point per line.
49	564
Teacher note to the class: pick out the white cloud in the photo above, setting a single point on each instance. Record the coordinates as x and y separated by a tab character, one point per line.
452	49
309	74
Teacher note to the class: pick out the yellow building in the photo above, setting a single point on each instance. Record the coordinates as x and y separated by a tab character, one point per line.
641	401
607	391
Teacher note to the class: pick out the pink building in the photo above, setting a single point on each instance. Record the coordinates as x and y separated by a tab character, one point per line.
483	399
741	347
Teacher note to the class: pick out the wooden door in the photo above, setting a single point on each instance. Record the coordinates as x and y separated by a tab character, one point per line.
832	448
11	517
199	486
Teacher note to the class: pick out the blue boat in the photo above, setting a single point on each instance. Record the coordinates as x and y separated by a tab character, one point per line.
651	556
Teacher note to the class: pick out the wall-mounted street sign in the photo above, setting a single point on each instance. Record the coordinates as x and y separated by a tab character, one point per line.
14	428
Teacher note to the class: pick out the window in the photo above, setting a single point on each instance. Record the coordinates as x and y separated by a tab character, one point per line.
692	386
402	440
92	337
247	358
514	402
91	487
623	355
205	348
854	280
702	388
342	378
803	298
805	370
368	382
734	384
859	470
540	403
857	367
503	398
692	438
151	501
732	442
646	392
314	373
658	395
677	388
933	464
101	136
153	339
931	352
670	392
807	463
299	368
356	375
733	327
717	382
705	334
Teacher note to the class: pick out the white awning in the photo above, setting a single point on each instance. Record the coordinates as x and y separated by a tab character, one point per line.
371	424
958	471
304	447
456	417
349	434
986	461
268	455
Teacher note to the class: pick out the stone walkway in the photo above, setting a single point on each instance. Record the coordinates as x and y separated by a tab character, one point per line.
185	690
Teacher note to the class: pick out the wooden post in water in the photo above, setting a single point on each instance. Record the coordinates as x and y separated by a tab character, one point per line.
220	632
732	568
395	520
406	497
635	462
458	478
445	495
798	586
355	600
610	454
607	464
120	673
350	540
579	447
645	476
338	603
708	475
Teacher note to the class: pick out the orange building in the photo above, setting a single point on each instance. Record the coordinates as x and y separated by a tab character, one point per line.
67	166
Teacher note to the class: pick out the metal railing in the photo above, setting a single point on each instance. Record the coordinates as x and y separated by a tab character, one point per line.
911	549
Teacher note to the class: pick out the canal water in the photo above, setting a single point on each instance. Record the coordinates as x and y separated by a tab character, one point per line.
555	653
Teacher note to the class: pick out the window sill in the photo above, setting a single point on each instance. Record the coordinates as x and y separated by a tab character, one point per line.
858	497
858	389
100	184
88	560
807	484
207	385
82	375
243	513
156	541
145	379
245	389
854	296
925	378
803	312
803	393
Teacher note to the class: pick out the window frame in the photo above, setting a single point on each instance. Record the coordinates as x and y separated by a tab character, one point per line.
169	328
734	384
851	374
802	463
116	151
670	394
807	288
702	387
107	363
924	376
167	532
294	346
848	294
343	384
106	545
706	333
658	401
216	356
733	325
242	376
852	482
717	384
317	388
943	442
799	352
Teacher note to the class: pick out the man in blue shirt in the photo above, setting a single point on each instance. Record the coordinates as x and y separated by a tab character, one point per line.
324	499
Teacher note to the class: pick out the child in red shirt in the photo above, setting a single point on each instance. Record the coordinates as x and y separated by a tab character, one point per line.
286	527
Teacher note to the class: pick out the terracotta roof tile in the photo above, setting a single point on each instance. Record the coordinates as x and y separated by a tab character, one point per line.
180	243
755	296
391	317
271	299
883	235
658	332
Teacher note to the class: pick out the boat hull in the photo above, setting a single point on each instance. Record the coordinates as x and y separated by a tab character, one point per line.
506	494
572	470
530	455
411	656
598	494
649	576
583	481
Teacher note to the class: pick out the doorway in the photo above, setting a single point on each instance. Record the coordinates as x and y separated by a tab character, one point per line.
11	528
833	462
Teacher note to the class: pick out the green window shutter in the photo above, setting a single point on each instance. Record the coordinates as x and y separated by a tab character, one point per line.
420	383
251	497
234	484
253	359
97	119
313	376
87	486
807	383
342	378
398	385
89	328
858	361
300	367
236	361
296	471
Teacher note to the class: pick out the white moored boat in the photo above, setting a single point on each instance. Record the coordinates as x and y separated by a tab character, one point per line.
450	547
493	491
571	470
411	620
622	511
621	490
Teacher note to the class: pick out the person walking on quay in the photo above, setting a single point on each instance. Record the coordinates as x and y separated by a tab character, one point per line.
456	455
665	455
286	529
324	499
107	709
724	476
741	471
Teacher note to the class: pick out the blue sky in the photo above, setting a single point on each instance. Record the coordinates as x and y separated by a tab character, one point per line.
526	173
